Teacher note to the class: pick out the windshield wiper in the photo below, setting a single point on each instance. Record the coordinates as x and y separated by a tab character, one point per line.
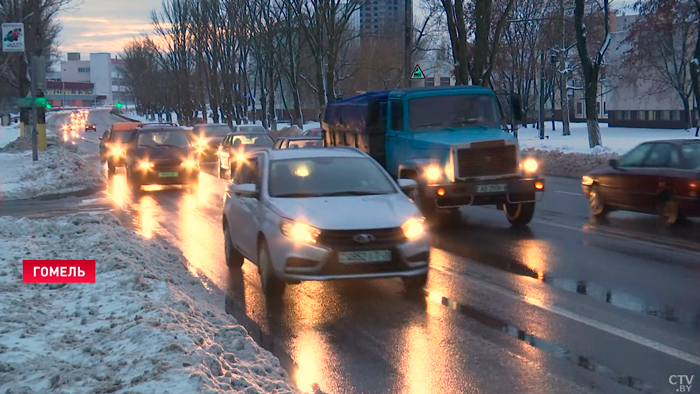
351	193
299	195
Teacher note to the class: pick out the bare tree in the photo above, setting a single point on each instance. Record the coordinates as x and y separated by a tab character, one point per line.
591	66
662	48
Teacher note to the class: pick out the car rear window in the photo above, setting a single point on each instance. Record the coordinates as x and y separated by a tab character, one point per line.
121	136
172	138
215	131
251	129
691	153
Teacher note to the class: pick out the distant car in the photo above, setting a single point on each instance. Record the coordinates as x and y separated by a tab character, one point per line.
116	144
316	132
207	138
234	148
248	128
161	155
661	177
322	214
299	142
89	126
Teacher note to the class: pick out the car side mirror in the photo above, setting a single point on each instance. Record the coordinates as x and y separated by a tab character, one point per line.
407	184
249	190
614	163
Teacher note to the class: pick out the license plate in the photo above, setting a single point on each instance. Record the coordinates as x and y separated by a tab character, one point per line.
501	187
168	174
365	256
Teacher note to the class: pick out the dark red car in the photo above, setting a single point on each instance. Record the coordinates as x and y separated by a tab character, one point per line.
661	177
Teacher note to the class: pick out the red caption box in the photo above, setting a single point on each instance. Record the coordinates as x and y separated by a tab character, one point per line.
58	271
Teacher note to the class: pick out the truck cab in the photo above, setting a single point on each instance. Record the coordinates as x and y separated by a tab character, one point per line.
452	141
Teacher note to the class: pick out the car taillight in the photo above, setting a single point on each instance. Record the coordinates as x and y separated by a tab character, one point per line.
693	188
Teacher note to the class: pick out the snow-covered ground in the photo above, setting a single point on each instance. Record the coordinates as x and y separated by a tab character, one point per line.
8	134
61	169
145	326
615	139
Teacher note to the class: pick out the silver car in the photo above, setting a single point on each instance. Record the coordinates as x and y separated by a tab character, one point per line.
323	214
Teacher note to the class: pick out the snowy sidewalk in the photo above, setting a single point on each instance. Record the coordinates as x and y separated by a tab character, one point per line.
144	326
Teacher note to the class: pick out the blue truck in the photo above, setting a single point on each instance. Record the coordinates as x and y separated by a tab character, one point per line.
452	141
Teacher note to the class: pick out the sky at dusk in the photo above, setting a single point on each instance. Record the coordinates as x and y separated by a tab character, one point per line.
106	25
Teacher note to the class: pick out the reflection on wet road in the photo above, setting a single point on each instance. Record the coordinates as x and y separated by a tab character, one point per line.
553	308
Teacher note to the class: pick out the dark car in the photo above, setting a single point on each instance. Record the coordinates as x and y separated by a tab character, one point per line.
315	132
89	126
103	146
299	142
207	138
161	155
115	144
661	177
234	148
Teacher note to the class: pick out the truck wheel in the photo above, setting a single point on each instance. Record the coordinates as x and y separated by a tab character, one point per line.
519	214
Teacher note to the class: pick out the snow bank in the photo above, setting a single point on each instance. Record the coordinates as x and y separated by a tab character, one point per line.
61	169
8	134
569	165
144	326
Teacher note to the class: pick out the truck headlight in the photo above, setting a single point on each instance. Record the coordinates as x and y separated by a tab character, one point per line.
433	173
413	228
300	232
530	165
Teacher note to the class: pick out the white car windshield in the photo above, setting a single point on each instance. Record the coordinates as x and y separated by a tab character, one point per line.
327	176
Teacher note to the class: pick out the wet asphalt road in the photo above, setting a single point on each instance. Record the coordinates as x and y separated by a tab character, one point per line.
565	306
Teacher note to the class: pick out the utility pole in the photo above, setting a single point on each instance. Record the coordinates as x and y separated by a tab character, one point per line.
408	42
541	122
563	74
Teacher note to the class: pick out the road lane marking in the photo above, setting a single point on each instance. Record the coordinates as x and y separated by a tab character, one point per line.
569	193
651	344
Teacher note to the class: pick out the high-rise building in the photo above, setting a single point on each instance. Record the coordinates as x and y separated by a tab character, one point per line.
382	16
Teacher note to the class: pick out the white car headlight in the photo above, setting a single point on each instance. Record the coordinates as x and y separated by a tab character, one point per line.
433	173
530	165
300	232
413	228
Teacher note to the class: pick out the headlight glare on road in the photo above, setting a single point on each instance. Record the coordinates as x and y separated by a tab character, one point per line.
530	165
145	165
300	232
189	164
433	173
586	180
413	228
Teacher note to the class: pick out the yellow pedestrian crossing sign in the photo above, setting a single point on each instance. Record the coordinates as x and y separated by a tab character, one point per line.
417	73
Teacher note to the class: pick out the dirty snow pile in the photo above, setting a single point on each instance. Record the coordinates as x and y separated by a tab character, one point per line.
8	134
144	326
61	169
569	165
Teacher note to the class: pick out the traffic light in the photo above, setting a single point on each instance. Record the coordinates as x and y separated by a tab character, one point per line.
119	105
48	105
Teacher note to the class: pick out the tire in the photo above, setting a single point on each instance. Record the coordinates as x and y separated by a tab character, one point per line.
111	170
234	259
414	284
193	187
596	204
272	286
134	186
519	214
669	212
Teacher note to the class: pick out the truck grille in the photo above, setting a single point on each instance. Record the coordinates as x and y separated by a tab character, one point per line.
344	239
487	161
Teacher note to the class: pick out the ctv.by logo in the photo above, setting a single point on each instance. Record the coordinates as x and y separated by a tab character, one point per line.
683	382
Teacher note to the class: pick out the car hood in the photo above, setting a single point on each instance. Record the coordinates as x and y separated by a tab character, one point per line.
348	213
447	138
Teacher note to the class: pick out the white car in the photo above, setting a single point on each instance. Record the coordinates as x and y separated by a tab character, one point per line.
323	214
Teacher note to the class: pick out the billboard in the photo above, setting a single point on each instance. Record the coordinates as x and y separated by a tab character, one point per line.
13	37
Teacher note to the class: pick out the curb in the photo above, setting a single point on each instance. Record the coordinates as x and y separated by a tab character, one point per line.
126	118
77	193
